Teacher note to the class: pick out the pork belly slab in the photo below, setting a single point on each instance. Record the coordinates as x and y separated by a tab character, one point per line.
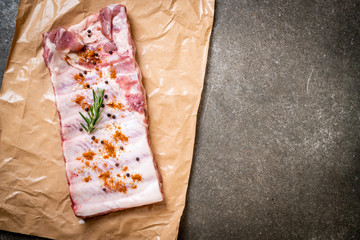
113	167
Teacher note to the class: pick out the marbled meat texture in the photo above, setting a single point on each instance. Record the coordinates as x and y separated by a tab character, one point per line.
113	168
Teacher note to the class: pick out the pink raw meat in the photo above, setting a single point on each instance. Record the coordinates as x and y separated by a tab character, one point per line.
112	168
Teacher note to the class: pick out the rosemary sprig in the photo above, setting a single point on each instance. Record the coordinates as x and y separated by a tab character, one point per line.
94	111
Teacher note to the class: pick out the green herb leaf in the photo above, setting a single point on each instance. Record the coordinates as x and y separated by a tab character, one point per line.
94	111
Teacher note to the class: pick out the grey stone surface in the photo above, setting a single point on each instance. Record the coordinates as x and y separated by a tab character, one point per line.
277	147
278	136
8	10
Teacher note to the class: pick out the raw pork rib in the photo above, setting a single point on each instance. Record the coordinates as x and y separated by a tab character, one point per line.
112	168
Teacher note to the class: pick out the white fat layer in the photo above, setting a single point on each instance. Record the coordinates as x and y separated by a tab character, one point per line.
121	34
88	197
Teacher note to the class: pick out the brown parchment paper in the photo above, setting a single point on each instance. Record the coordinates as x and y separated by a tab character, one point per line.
172	39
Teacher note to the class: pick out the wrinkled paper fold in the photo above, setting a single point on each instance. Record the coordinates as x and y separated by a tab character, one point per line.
172	40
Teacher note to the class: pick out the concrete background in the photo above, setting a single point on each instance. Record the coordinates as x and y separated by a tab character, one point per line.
278	137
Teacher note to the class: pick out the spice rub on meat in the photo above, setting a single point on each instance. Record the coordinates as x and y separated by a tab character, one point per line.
109	163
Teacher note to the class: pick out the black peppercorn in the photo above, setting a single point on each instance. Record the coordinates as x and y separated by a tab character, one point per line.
85	72
113	116
137	159
88	86
111	52
128	174
102	105
106	82
87	109
121	147
94	63
89	35
105	96
89	31
81	75
104	189
116	164
96	54
80	129
109	115
93	137
102	142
